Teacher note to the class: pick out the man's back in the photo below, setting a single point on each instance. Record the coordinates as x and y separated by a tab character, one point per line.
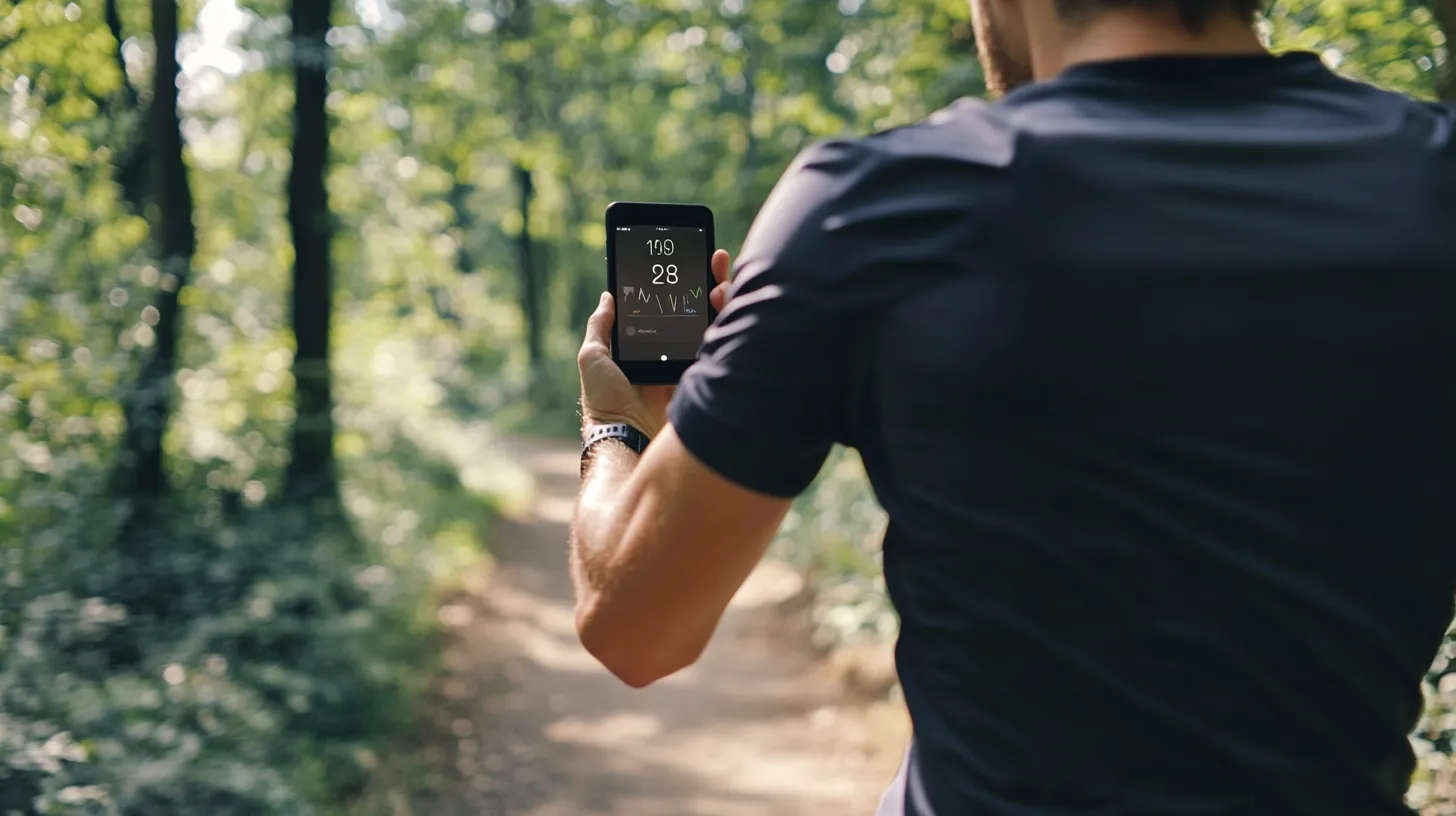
1171	499
1154	369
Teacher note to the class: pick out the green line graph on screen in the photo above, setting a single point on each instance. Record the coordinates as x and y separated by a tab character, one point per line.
664	301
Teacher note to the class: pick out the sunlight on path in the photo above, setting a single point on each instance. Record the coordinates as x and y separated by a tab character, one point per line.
551	733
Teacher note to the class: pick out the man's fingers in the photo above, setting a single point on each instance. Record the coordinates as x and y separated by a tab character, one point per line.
720	266
599	325
719	296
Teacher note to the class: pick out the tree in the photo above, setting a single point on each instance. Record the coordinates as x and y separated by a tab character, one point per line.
519	29
1445	13
141	471
311	468
530	272
131	167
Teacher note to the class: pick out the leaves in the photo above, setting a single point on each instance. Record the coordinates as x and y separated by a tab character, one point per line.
253	697
1370	40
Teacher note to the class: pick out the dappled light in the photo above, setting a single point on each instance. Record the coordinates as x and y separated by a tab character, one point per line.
290	297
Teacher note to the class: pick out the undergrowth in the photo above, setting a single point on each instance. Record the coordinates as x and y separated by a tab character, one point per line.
231	657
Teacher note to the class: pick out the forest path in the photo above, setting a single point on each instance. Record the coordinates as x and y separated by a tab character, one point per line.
756	727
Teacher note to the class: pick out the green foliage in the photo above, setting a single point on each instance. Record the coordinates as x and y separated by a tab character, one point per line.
1389	43
207	713
251	655
286	650
833	533
248	657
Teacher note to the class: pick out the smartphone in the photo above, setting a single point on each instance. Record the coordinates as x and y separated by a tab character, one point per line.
658	270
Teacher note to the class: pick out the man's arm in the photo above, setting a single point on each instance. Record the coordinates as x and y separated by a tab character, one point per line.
658	549
660	545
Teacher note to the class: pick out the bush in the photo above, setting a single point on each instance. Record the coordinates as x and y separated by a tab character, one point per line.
226	660
833	533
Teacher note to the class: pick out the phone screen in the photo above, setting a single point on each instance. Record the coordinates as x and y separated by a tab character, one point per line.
662	292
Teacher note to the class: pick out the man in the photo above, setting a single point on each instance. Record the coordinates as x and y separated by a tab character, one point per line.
1152	363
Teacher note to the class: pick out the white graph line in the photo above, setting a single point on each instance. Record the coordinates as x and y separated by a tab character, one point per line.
672	301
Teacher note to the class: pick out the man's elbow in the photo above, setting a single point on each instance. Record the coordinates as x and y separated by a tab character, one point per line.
637	658
635	673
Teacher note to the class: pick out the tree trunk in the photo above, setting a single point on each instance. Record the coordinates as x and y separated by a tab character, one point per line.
311	471
113	24
459	198
590	279
531	283
1445	12
131	161
518	28
147	410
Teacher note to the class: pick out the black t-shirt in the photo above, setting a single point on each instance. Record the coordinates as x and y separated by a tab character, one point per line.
1153	367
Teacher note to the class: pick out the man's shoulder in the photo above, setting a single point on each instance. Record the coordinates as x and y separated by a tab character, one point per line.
1436	117
938	164
969	131
1441	119
902	199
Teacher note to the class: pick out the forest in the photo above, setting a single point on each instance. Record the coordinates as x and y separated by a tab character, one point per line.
278	278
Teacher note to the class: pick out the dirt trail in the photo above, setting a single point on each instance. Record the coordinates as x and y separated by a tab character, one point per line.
542	730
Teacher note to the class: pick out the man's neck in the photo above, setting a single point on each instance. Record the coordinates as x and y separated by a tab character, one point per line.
1121	34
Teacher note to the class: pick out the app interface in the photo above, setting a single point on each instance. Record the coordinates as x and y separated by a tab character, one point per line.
662	292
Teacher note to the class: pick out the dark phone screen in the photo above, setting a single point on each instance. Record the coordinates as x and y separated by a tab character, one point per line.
662	292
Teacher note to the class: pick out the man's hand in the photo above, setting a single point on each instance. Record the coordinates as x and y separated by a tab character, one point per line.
606	395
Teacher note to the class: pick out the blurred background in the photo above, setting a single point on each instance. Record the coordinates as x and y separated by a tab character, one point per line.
279	287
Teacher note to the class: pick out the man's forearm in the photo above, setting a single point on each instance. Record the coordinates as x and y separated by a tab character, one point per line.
597	528
617	587
646	600
657	551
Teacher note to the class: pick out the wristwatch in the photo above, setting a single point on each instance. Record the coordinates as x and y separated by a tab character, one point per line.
630	436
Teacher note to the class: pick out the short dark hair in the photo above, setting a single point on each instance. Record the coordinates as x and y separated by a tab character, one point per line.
1194	14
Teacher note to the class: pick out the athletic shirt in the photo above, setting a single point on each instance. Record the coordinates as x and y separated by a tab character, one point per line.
1153	367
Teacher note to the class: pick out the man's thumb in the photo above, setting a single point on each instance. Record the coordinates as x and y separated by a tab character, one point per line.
599	325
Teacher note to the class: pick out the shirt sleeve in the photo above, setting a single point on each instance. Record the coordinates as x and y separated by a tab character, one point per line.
853	227
765	400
